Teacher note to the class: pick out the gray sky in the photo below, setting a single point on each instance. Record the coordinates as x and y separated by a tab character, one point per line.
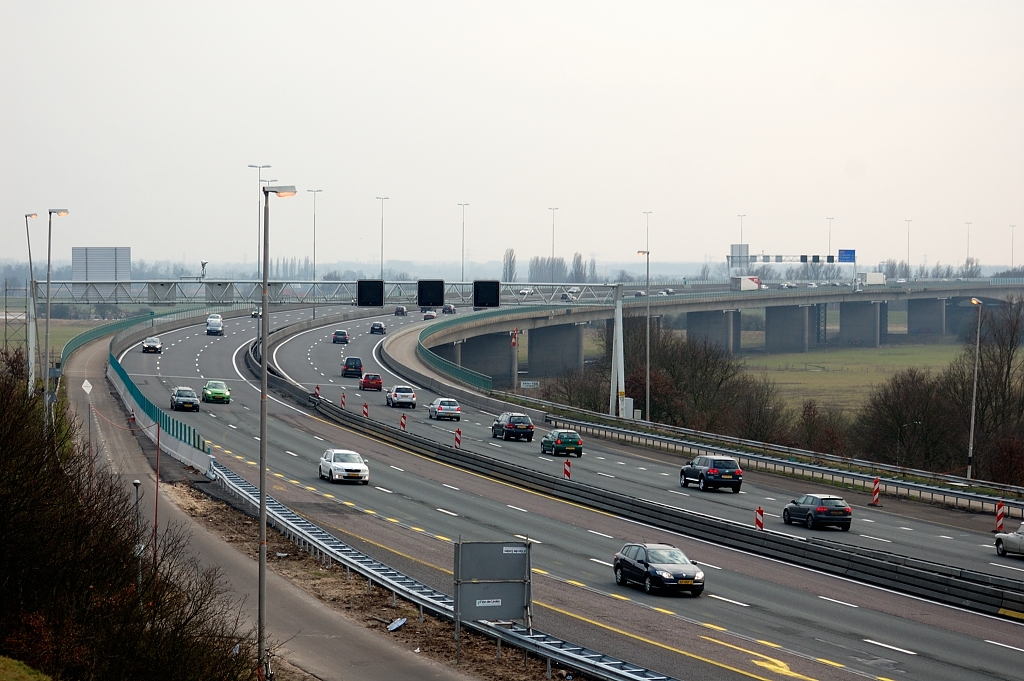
141	118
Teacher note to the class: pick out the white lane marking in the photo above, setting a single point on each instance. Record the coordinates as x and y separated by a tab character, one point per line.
605	475
866	520
600	534
675	491
516	508
317	437
774	515
255	438
445	484
713	567
621	463
292	453
886	645
1008	567
601	562
662	473
525	538
494	444
1003	645
729	601
601	458
384	490
232	426
769	499
908	529
401	470
448	512
868	536
832	600
212	416
641	468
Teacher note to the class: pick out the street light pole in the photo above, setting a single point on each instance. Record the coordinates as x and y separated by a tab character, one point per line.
741	227
1011	246
259	188
908	247
382	199
974	396
463	241
552	240
647	370
314	192
33	331
138	535
60	212
829	235
281	192
968	246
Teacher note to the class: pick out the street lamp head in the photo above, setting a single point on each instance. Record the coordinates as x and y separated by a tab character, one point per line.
282	191
382	198
314	191
59	211
136	483
30	215
975	301
643	252
257	166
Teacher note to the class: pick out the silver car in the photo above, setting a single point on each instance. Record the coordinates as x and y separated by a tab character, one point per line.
401	396
1010	542
339	465
444	408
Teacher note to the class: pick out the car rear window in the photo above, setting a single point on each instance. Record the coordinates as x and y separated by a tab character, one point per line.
403	390
449	403
569	435
838	503
727	464
354	362
372	377
519	419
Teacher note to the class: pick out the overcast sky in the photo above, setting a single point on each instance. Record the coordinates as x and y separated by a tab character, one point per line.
141	118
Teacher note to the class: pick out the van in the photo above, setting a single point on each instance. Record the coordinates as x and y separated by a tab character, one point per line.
353	366
214	327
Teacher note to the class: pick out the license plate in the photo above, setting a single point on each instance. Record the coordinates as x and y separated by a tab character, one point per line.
352	475
726	476
686	581
188	404
570	449
520	426
838	512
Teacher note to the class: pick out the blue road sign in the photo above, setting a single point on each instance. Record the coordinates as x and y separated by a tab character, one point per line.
847	255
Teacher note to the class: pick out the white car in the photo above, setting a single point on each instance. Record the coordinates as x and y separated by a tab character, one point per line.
1010	542
525	291
339	465
401	396
444	408
214	316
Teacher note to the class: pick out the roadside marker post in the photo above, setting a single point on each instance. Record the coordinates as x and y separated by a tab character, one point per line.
402	422
366	410
874	493
759	518
1000	514
458	438
567	470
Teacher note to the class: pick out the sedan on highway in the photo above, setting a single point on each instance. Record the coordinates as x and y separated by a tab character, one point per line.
401	396
1010	542
448	309
562	442
429	314
401	311
353	366
217	391
444	408
371	382
341	465
657	567
512	424
340	337
184	398
152	344
712	472
819	510
377	327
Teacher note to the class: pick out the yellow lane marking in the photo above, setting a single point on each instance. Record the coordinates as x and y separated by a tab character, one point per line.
348	503
227	451
713	626
278	475
252	463
663	610
311	489
830	662
437	536
366	510
391	520
540	572
574	582
294	482
621	598
1011	613
769	644
769	663
417	529
329	496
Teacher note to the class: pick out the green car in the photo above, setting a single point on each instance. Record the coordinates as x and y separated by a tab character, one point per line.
216	391
562	442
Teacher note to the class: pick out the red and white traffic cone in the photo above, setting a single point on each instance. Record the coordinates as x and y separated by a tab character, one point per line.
874	493
402	422
1000	513
567	470
458	438
366	410
759	518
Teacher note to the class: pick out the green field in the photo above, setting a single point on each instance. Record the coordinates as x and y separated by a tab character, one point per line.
61	331
845	376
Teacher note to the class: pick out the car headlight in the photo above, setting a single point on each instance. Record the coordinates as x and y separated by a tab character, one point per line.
699	577
663	574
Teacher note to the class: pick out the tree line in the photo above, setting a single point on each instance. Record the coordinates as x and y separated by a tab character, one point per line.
73	604
915	419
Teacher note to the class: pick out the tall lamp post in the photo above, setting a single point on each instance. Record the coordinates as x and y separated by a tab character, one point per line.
463	241
974	396
552	239
829	235
968	245
259	187
281	192
60	212
32	330
908	247
647	371
741	226
382	199
314	192
1011	245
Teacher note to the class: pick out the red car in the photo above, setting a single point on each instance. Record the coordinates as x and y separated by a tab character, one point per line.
371	382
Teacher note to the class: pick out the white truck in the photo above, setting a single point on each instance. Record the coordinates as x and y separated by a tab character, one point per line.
744	283
871	278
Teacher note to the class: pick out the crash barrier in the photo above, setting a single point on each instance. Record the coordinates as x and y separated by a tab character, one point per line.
328	549
651	435
945	584
774	464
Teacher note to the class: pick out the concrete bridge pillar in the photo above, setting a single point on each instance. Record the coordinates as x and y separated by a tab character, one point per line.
553	350
926	316
787	328
449	351
860	323
722	327
494	355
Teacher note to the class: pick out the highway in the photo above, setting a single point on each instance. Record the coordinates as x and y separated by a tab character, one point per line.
757	617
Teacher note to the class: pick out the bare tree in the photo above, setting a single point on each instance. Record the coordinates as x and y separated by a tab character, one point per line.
579	269
508	267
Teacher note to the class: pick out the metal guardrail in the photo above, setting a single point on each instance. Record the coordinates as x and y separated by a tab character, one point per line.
325	546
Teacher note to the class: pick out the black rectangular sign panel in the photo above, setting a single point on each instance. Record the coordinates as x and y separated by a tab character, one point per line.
430	292
370	293
486	293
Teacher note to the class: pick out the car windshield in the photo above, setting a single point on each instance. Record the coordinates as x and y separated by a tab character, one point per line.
186	393
836	503
216	385
727	464
667	557
347	457
152	340
519	419
341	333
